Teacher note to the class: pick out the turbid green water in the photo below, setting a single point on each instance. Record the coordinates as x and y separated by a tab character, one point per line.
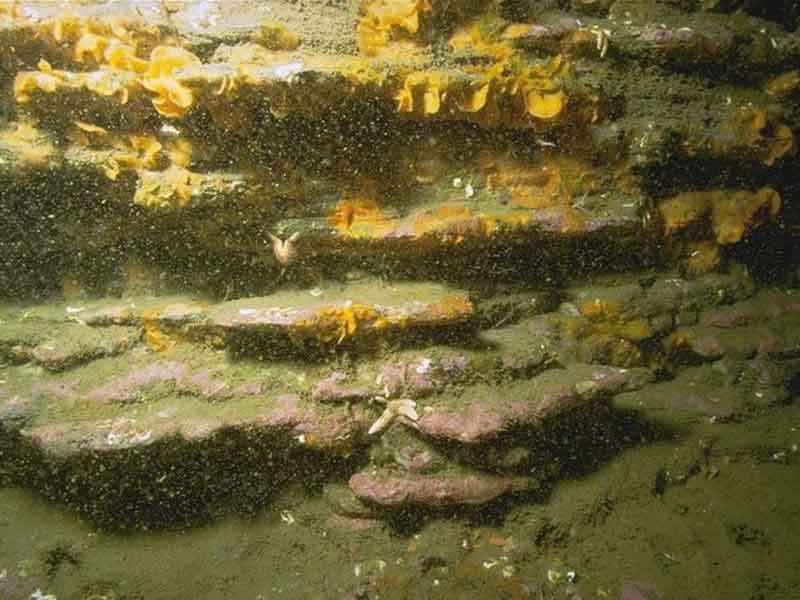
711	513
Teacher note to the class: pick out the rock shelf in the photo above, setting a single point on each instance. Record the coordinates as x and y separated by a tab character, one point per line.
487	411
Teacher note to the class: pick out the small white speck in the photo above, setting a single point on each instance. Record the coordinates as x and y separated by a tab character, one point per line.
141	438
571	576
170	130
469	191
457	182
287	70
424	366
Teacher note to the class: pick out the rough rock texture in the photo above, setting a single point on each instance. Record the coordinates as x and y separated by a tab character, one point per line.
235	237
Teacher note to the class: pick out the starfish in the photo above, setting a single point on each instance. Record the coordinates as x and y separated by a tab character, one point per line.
285	250
404	409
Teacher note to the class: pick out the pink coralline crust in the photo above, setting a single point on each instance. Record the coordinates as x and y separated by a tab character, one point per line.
125	388
435	491
331	389
249	389
416	460
472	424
322	427
334	430
196	429
421	377
287	414
485	418
208	387
500	410
65	438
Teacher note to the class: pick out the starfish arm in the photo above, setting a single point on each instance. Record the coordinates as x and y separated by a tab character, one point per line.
383	422
406	408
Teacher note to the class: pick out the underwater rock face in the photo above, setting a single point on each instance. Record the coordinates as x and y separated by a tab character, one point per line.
425	245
